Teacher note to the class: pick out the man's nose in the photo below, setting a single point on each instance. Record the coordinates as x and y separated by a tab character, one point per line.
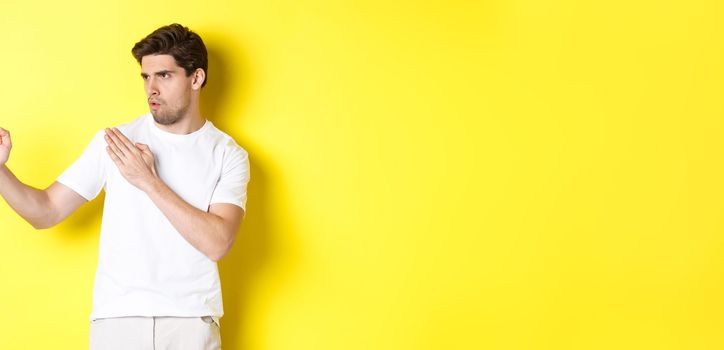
151	87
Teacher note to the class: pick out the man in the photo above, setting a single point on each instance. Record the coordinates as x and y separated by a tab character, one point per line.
175	196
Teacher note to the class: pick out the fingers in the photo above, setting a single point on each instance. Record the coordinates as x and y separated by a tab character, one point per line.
114	148
145	152
114	157
113	138
115	144
124	140
4	136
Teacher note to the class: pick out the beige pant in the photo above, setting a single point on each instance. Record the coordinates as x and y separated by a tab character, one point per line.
155	333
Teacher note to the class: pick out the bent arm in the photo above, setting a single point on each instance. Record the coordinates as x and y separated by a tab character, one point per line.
212	233
41	208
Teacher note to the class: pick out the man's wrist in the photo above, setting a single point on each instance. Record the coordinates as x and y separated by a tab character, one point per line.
4	170
154	186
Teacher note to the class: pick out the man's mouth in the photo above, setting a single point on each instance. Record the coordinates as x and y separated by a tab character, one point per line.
153	104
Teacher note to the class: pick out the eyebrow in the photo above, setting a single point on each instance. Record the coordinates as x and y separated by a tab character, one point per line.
161	72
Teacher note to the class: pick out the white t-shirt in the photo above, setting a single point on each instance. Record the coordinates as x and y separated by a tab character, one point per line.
145	266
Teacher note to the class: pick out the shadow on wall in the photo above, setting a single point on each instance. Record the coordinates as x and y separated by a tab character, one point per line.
87	218
240	268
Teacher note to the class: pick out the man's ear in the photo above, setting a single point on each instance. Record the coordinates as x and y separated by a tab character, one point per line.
199	76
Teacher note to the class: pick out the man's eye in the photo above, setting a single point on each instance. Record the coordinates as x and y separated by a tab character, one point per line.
165	75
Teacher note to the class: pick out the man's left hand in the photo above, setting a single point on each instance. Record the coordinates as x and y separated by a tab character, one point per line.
135	161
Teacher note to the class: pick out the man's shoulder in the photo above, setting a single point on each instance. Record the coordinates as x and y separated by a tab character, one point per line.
224	140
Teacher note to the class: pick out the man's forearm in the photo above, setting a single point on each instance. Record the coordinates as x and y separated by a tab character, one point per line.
203	230
30	203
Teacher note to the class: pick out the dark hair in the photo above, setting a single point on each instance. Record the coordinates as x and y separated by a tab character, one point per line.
185	46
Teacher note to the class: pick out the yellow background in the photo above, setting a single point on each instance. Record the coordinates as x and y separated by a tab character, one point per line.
513	174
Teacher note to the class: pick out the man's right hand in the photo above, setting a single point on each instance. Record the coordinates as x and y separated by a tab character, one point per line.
41	208
5	146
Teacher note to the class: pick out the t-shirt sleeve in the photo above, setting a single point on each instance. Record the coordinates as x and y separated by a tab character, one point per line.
87	175
235	175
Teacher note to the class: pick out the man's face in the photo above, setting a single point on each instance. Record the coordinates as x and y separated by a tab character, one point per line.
168	89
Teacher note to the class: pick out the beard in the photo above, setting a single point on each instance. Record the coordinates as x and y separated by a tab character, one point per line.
168	117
